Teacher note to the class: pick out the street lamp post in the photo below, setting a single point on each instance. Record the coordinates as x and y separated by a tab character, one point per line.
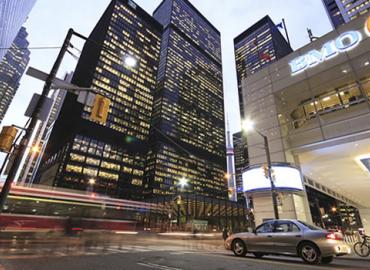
248	126
183	182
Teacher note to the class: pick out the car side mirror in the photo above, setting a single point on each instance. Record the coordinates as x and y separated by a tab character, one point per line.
254	231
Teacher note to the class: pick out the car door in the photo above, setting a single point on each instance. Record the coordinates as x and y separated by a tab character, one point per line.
261	241
286	237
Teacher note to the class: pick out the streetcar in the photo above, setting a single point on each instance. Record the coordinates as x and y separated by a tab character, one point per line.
53	209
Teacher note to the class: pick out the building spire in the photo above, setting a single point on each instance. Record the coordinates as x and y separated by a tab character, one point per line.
230	175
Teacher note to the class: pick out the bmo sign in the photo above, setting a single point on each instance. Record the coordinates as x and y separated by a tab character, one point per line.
343	43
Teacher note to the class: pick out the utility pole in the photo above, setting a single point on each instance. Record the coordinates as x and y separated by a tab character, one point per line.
34	118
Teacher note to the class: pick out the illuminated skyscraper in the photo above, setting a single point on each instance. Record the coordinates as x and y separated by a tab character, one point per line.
188	133
258	46
343	11
12	68
13	14
120	60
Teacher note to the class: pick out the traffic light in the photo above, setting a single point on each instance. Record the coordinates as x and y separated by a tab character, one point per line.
7	137
99	112
265	168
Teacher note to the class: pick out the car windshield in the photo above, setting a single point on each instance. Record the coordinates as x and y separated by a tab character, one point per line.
310	226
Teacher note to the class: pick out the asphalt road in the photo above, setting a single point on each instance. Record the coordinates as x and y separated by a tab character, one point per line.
149	254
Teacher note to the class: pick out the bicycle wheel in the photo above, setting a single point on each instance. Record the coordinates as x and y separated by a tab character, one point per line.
362	249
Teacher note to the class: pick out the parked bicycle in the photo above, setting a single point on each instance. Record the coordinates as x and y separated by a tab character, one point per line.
362	248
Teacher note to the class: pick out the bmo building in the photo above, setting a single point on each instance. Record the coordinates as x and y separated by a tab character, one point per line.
314	107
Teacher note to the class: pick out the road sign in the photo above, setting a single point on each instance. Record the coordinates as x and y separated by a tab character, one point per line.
44	113
56	83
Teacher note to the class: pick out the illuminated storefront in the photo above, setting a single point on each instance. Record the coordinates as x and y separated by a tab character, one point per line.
314	107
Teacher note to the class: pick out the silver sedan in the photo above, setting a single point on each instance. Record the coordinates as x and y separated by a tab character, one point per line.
289	237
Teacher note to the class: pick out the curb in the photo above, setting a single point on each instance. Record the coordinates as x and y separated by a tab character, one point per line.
352	258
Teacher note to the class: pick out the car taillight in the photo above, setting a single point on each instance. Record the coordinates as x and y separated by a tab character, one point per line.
334	236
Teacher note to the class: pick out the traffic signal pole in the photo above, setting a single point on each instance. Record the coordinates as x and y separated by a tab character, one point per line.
34	118
273	188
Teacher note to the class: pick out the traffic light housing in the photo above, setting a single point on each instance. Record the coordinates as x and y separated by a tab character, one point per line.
7	137
100	109
265	168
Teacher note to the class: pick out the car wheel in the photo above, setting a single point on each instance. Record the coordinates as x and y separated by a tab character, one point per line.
258	255
327	260
309	253
239	248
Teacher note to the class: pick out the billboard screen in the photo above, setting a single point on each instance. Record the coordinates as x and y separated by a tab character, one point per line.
286	178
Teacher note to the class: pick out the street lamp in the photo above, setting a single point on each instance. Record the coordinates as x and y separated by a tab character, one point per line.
92	181
130	61
90	187
249	126
35	149
183	182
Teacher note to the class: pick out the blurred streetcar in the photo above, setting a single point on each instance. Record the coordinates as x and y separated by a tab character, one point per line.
36	209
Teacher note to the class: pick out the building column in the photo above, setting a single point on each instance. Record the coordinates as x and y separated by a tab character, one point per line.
365	218
302	205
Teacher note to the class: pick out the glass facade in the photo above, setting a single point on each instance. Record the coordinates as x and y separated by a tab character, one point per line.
335	99
329	212
200	213
13	14
188	133
12	68
343	11
258	46
112	154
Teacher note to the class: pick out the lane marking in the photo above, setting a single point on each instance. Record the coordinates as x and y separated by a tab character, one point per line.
158	266
118	250
274	262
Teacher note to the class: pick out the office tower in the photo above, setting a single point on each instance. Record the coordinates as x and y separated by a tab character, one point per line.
188	133
13	14
12	68
258	46
120	60
343	11
240	160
